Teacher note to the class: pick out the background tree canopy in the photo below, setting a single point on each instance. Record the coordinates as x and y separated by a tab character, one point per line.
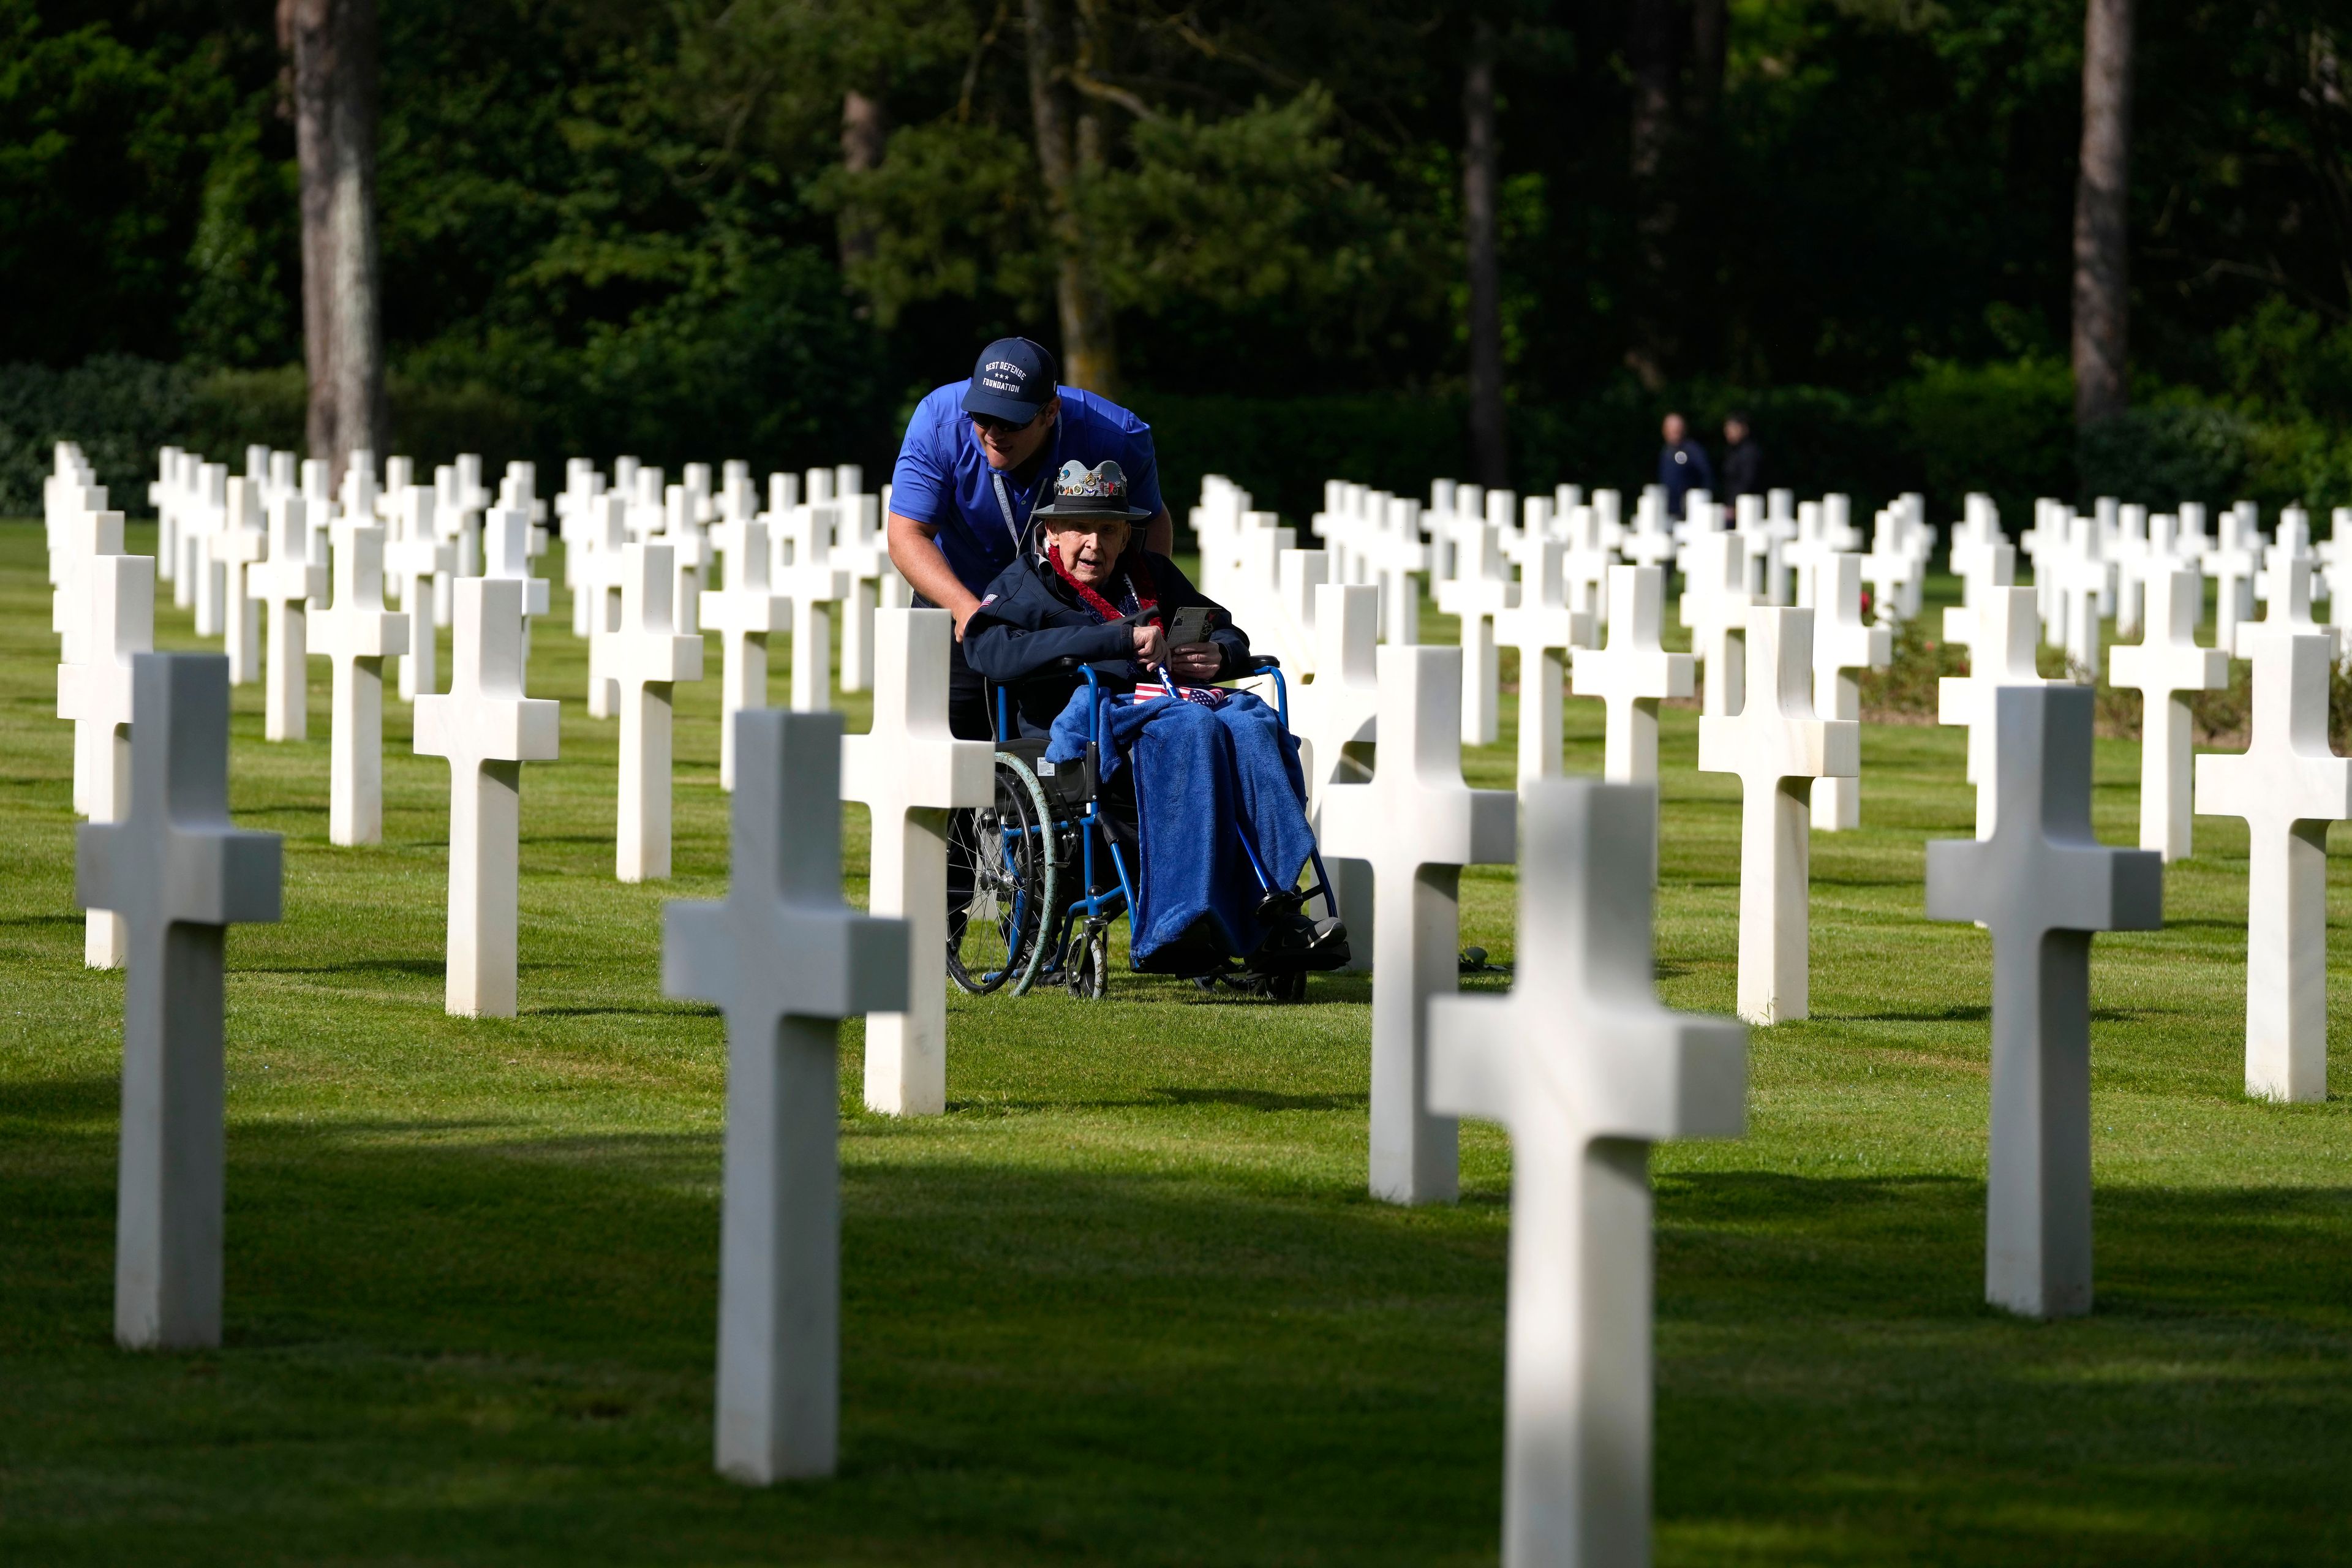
610	225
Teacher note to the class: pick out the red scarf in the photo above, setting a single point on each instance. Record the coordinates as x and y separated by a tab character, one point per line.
1148	602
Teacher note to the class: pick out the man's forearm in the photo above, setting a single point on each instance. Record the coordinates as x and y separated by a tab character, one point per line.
1159	533
915	551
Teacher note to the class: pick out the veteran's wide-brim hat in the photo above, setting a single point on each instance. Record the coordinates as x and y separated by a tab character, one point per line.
1099	491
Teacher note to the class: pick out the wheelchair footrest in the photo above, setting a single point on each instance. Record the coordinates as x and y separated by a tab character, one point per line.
1303	945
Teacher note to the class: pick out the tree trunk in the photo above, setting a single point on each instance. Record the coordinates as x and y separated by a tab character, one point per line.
2102	230
1489	434
1699	253
1650	52
864	138
1089	349
1709	39
332	44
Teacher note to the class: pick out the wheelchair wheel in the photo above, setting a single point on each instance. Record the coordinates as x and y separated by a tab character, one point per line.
1090	966
1006	851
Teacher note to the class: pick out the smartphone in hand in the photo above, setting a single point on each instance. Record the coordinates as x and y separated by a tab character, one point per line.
1191	624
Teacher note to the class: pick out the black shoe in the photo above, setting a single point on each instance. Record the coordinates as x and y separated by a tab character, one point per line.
1298	943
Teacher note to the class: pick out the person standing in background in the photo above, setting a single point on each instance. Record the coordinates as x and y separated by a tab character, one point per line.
1743	458
1682	464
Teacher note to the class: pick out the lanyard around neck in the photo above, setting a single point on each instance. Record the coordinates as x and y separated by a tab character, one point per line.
1013	528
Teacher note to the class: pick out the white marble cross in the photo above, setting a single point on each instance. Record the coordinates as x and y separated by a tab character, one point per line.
745	615
1587	1070
1584	569
1893	574
287	583
163	495
1778	746
1417	824
813	583
2232	562
2136	560
783	958
200	529
77	537
487	728
910	772
2042	884
649	657
357	634
505	552
1335	717
118	625
1395	551
582	485
1634	673
581	496
412	560
1715	608
178	874
2285	588
1480	591
1983	569
2164	663
1843	645
1543	630
690	559
596	602
2288	785
2082	579
1300	574
2008	627
863	554
241	543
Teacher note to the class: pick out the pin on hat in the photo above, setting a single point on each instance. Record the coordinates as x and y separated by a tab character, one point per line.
1099	491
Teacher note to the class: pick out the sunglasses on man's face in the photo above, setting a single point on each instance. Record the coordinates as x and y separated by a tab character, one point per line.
991	425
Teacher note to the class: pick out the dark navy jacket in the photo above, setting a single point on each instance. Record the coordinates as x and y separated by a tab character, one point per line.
1682	468
1029	618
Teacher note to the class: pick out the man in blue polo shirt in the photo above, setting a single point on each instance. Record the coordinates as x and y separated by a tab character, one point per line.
978	458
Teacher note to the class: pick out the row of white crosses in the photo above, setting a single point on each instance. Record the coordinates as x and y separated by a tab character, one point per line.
784	569
1580	1061
2106	562
1721	592
1584	1068
1375	538
2287	785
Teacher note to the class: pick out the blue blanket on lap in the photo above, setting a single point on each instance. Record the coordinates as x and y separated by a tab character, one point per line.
1203	776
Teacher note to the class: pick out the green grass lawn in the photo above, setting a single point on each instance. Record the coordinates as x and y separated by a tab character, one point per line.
1127	1301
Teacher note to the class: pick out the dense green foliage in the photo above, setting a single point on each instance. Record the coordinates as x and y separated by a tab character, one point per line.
612	224
1127	1301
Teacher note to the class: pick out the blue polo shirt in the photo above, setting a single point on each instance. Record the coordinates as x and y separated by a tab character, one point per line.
942	477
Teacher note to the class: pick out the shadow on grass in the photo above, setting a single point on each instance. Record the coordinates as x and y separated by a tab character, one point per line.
434	968
1157	1361
66	1098
1264	1099
621	1010
1958	1013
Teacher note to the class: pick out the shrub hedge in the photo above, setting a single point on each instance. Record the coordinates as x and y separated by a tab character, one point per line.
2005	428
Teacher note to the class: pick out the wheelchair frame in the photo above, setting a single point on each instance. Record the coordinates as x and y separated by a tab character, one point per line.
1072	942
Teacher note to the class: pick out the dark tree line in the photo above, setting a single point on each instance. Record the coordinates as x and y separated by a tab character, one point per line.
812	209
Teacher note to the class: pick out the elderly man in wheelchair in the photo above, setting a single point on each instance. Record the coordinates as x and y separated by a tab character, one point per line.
1127	780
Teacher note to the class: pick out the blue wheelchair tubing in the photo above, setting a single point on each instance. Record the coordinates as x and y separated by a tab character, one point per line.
1107	905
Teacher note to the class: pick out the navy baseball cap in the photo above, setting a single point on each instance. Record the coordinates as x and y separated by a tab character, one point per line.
1013	379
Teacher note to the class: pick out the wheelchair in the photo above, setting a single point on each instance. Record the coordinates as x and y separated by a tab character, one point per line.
1037	878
